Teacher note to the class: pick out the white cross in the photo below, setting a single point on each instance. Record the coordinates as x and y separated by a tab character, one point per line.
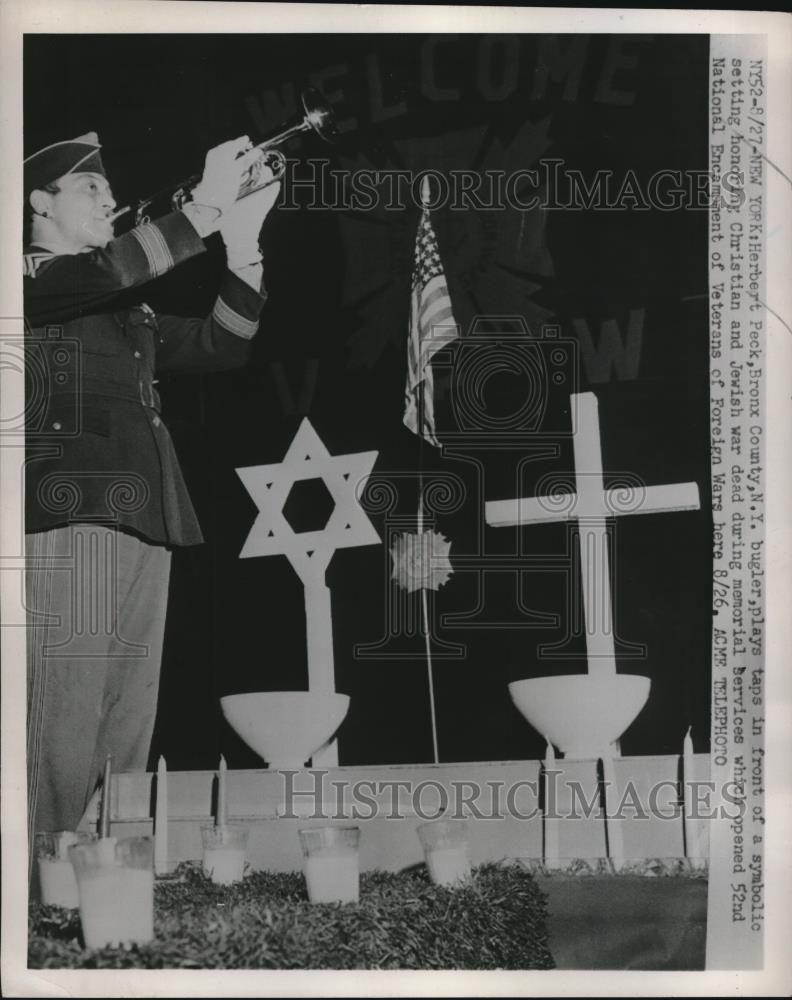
590	506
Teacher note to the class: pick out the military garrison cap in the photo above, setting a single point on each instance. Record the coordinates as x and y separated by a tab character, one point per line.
80	155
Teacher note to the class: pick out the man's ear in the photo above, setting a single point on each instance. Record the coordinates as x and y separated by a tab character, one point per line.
40	202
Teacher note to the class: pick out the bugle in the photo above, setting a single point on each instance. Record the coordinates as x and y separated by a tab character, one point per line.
316	116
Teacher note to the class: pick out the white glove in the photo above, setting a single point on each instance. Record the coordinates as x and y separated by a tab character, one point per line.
240	227
224	169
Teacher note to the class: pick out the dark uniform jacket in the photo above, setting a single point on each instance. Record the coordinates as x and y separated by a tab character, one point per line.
97	449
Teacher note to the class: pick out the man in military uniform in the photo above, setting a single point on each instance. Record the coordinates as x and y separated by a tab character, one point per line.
105	498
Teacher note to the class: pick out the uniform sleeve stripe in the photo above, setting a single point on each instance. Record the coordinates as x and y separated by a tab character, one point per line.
155	248
164	249
231	320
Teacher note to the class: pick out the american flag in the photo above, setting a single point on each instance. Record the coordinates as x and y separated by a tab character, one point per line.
432	326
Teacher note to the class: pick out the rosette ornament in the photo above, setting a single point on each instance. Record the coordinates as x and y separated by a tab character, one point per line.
421	561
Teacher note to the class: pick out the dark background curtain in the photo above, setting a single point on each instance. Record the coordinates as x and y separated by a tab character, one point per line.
625	291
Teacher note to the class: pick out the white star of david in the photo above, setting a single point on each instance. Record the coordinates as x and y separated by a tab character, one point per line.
309	552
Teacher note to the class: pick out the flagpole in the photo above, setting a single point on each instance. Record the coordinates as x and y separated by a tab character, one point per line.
430	312
424	595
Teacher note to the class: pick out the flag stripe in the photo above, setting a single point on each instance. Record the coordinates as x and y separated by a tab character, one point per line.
439	292
434	324
437	316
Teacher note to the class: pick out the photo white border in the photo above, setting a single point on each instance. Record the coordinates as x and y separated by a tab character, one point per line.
148	16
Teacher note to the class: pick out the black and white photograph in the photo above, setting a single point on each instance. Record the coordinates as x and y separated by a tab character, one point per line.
389	444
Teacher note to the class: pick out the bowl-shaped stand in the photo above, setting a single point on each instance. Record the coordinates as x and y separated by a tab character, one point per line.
285	728
582	714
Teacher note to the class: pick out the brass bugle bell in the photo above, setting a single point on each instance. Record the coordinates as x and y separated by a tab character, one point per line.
316	117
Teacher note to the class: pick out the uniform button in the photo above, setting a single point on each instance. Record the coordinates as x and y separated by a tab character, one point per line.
57	425
156	421
137	354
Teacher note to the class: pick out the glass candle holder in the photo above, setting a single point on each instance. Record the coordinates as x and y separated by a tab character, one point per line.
56	874
116	885
224	852
330	863
447	850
